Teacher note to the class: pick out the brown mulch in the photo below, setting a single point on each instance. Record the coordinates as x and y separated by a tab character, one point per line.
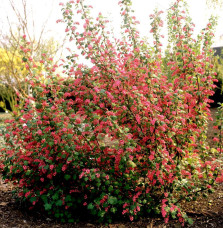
206	212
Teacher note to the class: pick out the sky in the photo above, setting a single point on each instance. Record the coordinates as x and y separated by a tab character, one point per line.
41	11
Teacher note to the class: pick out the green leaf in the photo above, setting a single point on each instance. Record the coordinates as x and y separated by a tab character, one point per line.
87	129
26	162
47	206
112	200
68	198
90	206
24	59
93	138
59	203
64	156
39	89
86	179
51	143
69	159
110	189
131	164
71	220
101	214
44	198
55	196
102	91
190	221
32	199
38	106
28	172
113	209
69	136
67	177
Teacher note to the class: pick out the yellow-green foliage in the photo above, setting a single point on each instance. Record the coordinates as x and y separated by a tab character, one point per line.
11	65
12	77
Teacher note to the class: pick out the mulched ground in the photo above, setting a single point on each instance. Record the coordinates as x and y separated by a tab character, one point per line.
205	212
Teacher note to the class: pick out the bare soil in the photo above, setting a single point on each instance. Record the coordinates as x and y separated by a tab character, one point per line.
206	212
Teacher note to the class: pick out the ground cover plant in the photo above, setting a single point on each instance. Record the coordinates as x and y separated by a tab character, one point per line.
125	137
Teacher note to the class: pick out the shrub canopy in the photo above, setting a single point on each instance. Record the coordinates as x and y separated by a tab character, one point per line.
126	136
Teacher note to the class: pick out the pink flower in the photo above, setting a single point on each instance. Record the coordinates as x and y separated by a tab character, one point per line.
78	121
27	194
138	119
116	83
215	139
166	219
64	168
163	211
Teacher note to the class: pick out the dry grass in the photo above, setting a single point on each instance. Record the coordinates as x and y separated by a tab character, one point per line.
4	116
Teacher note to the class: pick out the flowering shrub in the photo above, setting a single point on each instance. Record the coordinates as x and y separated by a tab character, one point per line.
124	137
